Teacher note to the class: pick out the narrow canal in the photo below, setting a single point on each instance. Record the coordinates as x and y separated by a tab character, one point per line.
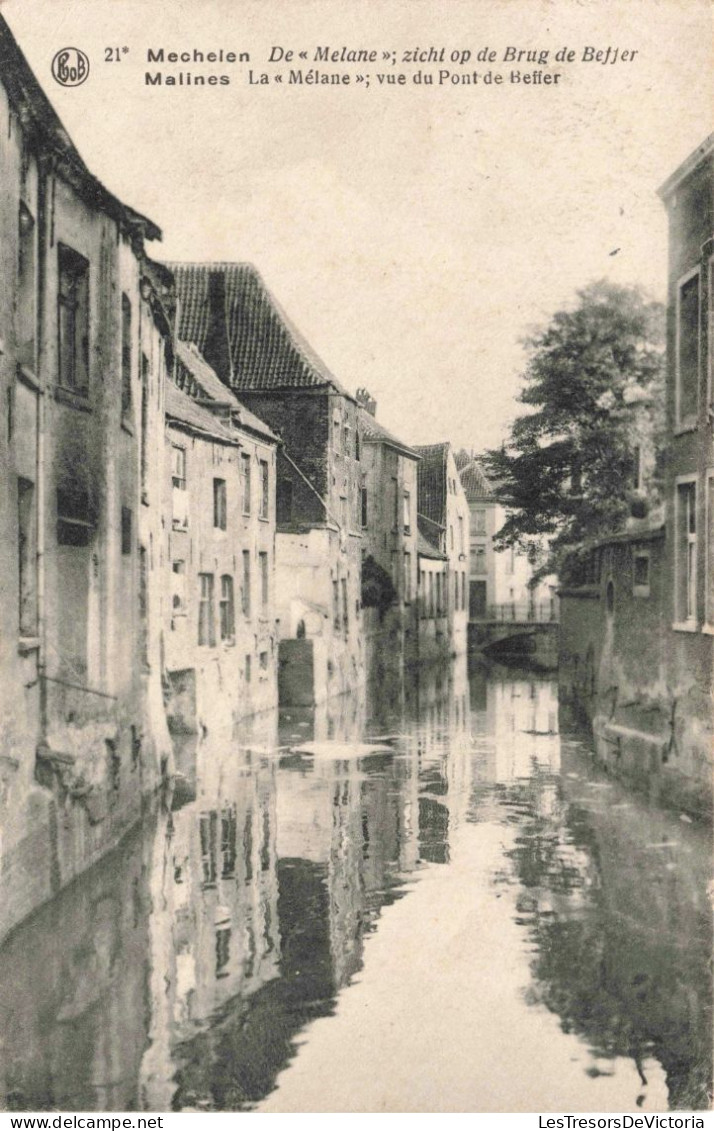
431	900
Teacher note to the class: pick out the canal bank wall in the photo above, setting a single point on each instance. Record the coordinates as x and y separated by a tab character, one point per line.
643	686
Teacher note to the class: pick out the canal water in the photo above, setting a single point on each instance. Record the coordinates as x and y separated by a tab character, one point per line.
423	898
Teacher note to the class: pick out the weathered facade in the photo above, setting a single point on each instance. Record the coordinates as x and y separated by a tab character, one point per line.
388	512
637	632
444	521
229	315
84	345
219	493
499	580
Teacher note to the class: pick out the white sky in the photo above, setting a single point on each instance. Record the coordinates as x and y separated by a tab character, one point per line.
413	234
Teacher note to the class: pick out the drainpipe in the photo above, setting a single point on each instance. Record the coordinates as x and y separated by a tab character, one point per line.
44	173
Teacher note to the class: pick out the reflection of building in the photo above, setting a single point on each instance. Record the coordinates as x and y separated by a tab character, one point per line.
84	346
219	498
226	311
73	1008
444	522
389	530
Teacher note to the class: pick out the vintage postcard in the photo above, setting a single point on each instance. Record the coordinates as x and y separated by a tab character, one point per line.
357	591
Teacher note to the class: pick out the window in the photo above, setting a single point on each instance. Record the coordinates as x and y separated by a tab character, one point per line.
125	355
74	524
346	443
206	626
126	523
229	836
219	504
26	290
73	320
479	559
451	537
364	506
178	588
345	607
406	512
264	489
709	570
208	828
247	668
264	581
686	553
688	349
462	544
27	557
144	424
336	605
178	467
407	576
245	591
641	573
227	609
357	445
263	661
637	468
284	501
245	478
479	522
463	590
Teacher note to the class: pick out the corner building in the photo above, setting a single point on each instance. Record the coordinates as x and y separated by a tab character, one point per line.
229	315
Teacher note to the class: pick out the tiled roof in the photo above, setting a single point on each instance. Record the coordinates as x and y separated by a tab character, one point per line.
215	390
183	409
431	480
227	306
475	482
374	432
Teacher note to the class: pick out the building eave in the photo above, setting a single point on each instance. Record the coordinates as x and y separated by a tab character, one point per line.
701	154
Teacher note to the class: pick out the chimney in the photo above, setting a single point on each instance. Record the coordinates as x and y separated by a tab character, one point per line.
365	401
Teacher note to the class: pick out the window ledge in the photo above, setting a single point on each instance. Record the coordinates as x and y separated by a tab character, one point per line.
28	377
708	629
80	401
263	518
685	626
640	591
127	425
684	428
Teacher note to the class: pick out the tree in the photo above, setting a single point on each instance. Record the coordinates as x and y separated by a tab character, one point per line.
594	387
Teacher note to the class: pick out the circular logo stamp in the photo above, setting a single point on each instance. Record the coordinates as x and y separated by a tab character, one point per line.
70	67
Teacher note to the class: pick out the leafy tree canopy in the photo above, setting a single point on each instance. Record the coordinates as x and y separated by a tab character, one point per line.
594	387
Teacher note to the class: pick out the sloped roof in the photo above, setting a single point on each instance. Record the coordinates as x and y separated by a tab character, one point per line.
215	390
431	480
40	118
184	410
475	482
375	433
426	549
266	351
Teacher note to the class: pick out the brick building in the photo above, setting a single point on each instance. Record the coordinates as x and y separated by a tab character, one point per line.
388	509
227	312
84	343
444	522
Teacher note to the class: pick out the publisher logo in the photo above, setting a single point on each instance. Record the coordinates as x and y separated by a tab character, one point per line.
70	67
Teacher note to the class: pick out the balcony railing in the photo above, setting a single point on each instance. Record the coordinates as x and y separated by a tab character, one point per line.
540	612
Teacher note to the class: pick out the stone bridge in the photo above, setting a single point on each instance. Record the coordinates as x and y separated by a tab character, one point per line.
512	633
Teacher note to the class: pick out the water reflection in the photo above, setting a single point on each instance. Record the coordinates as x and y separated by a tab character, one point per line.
186	970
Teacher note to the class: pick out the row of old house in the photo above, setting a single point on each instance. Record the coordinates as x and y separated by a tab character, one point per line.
196	518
